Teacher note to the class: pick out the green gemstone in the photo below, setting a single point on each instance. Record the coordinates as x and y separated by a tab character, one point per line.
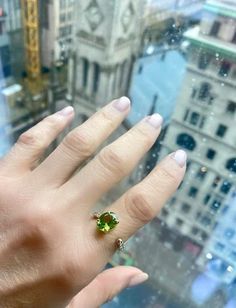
107	221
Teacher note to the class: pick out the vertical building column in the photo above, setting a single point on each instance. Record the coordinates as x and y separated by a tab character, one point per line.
102	93
90	79
79	75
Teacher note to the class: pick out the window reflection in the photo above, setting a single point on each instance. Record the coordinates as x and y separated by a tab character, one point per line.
173	57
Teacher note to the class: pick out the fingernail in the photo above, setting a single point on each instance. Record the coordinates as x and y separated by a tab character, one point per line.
155	120
66	111
180	157
140	278
122	103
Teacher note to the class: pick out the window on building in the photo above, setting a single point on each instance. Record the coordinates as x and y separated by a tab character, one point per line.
221	130
194	118
201	174
172	201
96	77
225	187
207	198
211	99
215	28
179	222
186	114
219	246
193	93
211	154
164	213
195	230
216	181
186	141
85	72
225	210
216	204
193	192
224	69
185	208
62	17
231	107
205	221
229	233
202	123
204	60
231	165
204	236
204	91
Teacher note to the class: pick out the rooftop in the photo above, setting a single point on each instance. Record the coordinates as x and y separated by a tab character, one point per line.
211	43
225	8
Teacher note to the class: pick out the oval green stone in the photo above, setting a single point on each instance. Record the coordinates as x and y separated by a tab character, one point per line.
107	221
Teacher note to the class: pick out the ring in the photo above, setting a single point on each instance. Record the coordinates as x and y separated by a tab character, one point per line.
106	222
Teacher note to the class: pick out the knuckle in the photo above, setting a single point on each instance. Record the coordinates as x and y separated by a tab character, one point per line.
146	139
168	175
79	143
31	139
138	206
111	161
38	228
107	118
51	121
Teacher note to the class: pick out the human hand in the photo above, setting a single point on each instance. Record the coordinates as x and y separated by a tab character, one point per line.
49	246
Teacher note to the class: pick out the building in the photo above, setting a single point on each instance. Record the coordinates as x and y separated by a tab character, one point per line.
57	18
203	124
165	20
11	39
106	42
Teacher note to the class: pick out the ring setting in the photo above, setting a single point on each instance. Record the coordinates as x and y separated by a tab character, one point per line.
106	222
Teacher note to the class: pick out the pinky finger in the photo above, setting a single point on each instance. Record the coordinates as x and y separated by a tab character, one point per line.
31	145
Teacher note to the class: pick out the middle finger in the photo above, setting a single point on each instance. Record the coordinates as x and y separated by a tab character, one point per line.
114	162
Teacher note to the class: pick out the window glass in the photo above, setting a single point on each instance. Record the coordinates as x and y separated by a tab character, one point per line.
174	57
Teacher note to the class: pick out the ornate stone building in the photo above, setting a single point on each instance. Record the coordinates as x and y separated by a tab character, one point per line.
203	124
106	42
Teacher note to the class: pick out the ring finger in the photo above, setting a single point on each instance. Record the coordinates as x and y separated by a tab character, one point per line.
143	201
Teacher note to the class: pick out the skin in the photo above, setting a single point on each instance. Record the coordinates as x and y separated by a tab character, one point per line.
50	249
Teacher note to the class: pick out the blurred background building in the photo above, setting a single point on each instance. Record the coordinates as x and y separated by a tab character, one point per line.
174	57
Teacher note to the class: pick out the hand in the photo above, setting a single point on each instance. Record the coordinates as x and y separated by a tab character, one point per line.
50	248
107	285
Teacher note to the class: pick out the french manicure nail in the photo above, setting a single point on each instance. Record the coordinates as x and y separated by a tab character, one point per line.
137	279
122	104
155	120
66	111
180	157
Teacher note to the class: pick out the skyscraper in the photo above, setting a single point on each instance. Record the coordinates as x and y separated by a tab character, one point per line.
203	125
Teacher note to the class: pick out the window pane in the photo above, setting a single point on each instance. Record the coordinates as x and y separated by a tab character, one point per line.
173	57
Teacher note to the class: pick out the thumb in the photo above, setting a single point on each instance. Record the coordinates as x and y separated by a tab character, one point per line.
107	285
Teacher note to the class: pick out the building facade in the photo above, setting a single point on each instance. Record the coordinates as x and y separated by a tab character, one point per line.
57	19
11	39
106	42
203	124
